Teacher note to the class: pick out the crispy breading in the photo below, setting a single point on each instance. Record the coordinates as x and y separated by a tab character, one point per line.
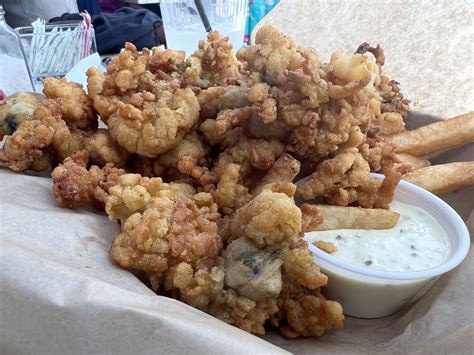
158	124
30	141
212	64
272	55
212	144
230	195
168	61
75	186
346	180
196	288
270	218
214	130
133	192
219	98
188	157
76	107
166	233
299	267
284	170
104	149
249	153
16	109
242	312
304	312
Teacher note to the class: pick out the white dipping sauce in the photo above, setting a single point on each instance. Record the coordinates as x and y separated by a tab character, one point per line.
416	242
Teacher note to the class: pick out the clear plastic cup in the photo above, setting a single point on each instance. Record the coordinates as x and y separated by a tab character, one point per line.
184	24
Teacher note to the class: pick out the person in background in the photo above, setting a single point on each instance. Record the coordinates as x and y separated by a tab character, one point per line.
257	10
21	13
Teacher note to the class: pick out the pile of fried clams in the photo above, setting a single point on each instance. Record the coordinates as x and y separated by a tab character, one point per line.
198	160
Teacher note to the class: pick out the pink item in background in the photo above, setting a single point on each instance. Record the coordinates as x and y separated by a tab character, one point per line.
3	96
111	5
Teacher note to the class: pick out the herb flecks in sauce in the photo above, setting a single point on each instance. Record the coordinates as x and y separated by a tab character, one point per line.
416	242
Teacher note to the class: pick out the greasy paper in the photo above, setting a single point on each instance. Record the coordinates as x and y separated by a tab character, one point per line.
61	294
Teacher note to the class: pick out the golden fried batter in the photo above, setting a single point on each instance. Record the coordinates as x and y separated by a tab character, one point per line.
242	312
133	192
310	217
188	158
272	55
75	186
306	313
16	109
230	195
76	107
167	64
284	170
327	247
213	64
269	219
103	149
299	267
28	144
126	75
249	153
219	98
158	125
197	289
346	180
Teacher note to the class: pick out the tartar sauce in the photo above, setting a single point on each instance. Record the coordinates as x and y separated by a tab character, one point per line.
416	242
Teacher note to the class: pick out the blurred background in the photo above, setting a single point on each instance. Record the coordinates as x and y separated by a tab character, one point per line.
146	22
41	38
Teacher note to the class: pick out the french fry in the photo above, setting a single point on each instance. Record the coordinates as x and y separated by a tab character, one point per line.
336	217
435	137
411	161
443	178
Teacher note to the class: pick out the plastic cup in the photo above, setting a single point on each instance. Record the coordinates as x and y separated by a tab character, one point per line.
367	293
184	26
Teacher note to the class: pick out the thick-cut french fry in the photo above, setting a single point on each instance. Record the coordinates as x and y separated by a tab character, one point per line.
414	162
336	217
443	178
435	137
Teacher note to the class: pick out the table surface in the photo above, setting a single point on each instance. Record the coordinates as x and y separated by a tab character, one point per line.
143	2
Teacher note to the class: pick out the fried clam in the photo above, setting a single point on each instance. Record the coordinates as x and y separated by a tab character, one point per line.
345	180
16	109
272	55
167	64
103	149
76	107
212	64
273	280
74	185
28	147
126	74
170	237
157	122
187	158
254	273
